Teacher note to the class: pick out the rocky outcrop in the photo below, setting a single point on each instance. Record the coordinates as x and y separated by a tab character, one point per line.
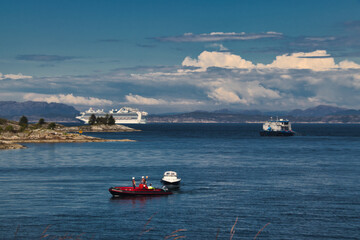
35	133
100	128
9	145
49	136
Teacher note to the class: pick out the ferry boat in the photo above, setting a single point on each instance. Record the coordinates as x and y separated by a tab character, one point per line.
278	127
125	115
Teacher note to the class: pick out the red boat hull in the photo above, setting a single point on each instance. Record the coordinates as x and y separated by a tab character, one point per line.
130	191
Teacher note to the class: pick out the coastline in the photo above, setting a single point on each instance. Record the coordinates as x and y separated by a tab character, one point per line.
60	134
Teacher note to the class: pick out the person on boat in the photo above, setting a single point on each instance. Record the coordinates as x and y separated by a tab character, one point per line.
143	181
133	182
151	187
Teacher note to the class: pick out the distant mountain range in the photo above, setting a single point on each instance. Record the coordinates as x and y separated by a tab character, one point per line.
58	112
319	114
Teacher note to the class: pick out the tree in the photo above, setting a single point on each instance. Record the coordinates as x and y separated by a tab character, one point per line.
92	119
23	121
111	120
98	120
41	121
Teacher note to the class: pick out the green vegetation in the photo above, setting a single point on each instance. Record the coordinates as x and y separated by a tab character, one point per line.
107	120
23	122
111	120
22	128
51	125
3	121
9	128
41	121
92	119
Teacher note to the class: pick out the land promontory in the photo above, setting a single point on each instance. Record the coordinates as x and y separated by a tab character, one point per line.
12	133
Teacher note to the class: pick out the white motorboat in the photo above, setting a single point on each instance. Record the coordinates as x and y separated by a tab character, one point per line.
170	177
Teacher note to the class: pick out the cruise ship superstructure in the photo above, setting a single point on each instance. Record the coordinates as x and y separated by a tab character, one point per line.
125	115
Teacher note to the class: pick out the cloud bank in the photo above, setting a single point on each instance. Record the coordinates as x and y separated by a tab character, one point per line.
140	100
43	58
296	80
210	81
14	76
318	60
219	36
67	99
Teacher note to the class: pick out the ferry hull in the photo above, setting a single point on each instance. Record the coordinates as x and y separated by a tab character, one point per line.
277	133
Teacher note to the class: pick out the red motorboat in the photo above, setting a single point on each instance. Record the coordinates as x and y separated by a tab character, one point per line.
138	191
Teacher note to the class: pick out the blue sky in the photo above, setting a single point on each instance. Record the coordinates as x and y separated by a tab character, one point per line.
174	56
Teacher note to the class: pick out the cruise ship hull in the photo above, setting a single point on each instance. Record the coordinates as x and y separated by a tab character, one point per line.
117	121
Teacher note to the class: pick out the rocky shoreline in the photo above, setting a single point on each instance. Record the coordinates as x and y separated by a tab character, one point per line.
100	128
5	145
60	134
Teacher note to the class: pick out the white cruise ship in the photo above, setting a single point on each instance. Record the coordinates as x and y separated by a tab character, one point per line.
125	115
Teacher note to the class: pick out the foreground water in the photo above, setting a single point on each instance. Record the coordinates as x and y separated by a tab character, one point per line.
306	187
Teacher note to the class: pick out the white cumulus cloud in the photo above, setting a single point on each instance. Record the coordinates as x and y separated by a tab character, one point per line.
137	99
219	45
14	76
217	59
318	60
67	99
222	95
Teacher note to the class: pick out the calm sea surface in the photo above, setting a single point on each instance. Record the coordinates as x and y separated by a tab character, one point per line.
306	187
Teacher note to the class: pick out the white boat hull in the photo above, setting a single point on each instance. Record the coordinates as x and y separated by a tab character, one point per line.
177	182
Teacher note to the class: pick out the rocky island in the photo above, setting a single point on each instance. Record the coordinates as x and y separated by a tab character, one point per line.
12	133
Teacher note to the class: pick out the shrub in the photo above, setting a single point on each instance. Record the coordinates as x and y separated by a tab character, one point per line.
3	121
9	128
51	126
22	128
41	121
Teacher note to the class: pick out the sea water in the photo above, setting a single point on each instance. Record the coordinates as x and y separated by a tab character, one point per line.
301	187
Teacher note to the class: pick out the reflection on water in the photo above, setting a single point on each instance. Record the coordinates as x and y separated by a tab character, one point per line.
135	201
